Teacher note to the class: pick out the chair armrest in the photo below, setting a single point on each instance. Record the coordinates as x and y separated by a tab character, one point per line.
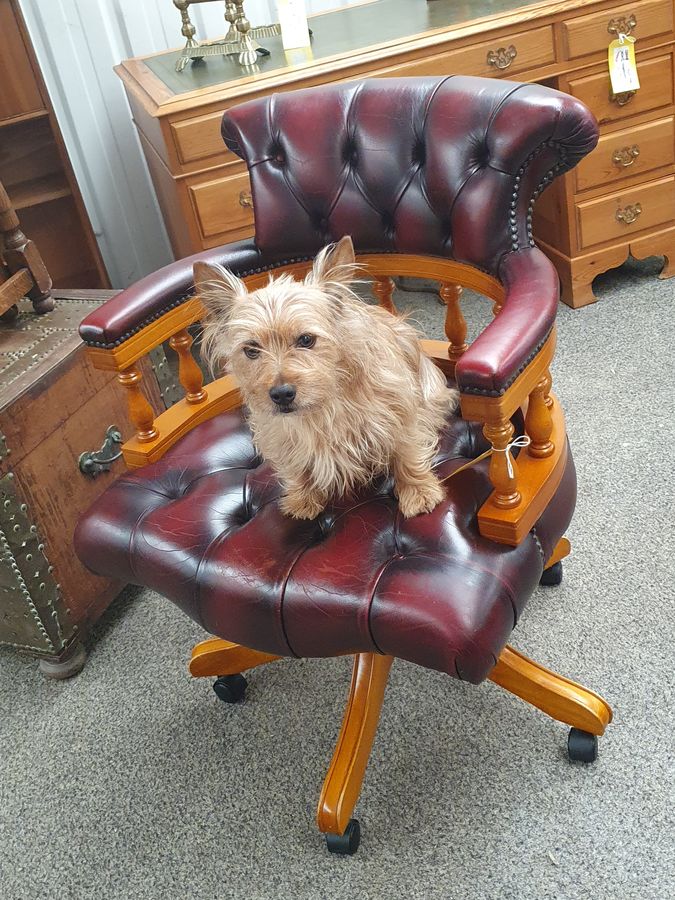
150	298
510	342
158	308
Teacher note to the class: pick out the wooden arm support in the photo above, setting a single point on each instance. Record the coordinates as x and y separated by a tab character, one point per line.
154	437
522	489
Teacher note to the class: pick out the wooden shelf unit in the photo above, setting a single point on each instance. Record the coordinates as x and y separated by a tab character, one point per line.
24	117
34	165
40	190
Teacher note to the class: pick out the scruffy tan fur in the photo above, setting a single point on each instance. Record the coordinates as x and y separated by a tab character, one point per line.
366	401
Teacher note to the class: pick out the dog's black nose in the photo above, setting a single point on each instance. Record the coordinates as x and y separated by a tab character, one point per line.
282	394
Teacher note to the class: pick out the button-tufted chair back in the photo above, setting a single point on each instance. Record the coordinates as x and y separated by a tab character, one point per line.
448	167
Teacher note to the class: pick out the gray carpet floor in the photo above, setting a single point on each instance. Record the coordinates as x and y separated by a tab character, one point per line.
133	782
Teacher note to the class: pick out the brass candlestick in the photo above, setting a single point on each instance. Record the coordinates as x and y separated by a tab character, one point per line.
240	40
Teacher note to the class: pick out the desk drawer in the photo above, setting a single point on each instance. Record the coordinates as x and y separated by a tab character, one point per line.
504	55
626	212
501	56
223	204
199	137
629	152
591	34
656	78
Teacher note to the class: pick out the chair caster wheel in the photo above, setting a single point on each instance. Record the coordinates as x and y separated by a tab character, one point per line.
230	688
552	576
348	843
582	746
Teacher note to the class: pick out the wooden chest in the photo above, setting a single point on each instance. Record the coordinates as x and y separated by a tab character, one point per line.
52	406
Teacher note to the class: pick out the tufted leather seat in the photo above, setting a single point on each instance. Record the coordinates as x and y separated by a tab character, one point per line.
203	527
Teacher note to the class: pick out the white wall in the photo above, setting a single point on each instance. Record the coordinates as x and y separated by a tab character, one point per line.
77	43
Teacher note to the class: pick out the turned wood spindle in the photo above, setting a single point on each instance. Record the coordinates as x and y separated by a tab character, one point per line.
383	288
538	422
189	373
140	411
503	481
455	324
9	221
547	390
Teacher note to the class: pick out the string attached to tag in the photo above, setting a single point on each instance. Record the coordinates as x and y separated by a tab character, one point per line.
522	441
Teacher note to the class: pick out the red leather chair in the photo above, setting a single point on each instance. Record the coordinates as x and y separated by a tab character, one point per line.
431	177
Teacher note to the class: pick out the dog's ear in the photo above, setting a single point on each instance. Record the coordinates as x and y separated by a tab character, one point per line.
216	286
335	263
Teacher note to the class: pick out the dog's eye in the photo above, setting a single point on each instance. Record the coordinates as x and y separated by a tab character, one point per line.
252	351
306	341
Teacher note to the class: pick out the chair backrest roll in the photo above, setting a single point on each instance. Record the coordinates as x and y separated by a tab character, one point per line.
443	166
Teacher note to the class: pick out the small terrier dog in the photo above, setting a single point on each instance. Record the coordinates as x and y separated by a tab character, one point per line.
338	391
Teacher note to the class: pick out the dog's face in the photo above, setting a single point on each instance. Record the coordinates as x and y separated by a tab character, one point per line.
283	342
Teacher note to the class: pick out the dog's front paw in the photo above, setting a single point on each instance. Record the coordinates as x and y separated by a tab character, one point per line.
301	505
420	498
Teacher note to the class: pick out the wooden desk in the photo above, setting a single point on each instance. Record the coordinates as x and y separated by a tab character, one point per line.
620	200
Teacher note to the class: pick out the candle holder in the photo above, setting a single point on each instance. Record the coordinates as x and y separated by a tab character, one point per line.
241	39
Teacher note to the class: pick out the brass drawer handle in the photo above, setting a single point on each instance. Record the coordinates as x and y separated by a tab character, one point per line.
626	156
622	25
502	57
629	214
622	98
246	199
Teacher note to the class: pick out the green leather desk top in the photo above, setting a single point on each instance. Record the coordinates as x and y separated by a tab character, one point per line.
335	33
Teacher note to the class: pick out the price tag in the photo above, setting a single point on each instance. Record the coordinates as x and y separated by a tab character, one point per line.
293	21
622	66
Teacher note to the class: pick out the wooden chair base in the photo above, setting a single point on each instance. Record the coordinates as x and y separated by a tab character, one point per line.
562	549
217	657
342	785
562	699
555	695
